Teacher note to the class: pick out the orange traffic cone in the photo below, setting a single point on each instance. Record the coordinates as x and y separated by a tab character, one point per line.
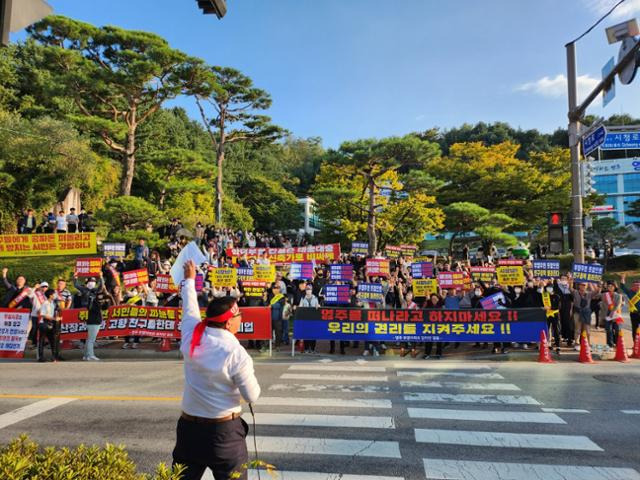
621	352
301	346
585	349
545	354
165	345
636	345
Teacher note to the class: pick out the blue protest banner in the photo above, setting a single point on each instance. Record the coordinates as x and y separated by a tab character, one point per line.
342	272
587	272
370	292
301	271
546	268
422	270
337	294
359	248
523	325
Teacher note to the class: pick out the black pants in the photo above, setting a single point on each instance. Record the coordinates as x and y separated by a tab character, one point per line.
220	446
33	333
47	331
553	325
71	228
428	347
635	322
277	330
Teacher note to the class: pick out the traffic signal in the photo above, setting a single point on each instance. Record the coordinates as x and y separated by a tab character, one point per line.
219	7
555	227
588	182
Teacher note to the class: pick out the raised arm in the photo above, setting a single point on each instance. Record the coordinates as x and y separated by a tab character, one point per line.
190	308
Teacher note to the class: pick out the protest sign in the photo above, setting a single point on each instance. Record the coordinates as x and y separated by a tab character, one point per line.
251	288
191	252
377	267
438	325
264	273
133	278
245	273
546	268
337	295
408	251
483	274
391	251
494	302
223	277
114	250
359	248
88	267
503	262
341	272
510	276
164	284
318	253
41	244
587	272
301	271
422	270
423	287
370	292
14	329
451	279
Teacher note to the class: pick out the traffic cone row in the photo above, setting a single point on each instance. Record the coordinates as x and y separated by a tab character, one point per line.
585	349
636	345
545	354
621	352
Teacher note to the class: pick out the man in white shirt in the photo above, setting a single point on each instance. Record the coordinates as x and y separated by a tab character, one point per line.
218	377
61	222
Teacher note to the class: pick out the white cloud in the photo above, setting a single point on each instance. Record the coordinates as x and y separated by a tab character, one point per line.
627	9
555	87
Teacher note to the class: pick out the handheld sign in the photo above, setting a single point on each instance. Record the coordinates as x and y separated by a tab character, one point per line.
587	272
370	292
301	271
546	268
133	278
337	295
342	272
422	270
359	248
88	267
377	267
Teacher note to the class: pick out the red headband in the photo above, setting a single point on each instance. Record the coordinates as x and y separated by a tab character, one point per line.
199	330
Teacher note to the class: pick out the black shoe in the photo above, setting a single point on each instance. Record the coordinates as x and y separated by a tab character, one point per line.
41	360
332	351
504	350
437	357
426	357
342	352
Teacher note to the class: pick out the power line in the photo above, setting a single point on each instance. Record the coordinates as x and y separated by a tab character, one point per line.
600	20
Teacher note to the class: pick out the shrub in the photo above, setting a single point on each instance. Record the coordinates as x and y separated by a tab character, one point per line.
624	263
23	459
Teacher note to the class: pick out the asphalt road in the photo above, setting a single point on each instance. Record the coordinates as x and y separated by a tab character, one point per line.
373	419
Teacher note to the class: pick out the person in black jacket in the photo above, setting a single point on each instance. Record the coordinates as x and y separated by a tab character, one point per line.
89	300
17	295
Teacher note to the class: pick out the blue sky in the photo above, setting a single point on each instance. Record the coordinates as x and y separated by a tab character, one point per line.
347	69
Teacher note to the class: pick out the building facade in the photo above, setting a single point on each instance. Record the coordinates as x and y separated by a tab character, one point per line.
619	181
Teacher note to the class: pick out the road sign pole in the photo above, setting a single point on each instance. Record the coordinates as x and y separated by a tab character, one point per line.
574	146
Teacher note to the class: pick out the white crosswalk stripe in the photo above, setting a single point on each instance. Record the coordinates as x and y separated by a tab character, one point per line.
438	469
253	475
631	412
311	420
484	415
325	402
329	387
488	376
442	366
471	398
462	386
330	378
336	368
506	440
564	410
328	446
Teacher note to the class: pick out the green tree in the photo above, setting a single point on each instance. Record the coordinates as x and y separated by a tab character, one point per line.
606	231
634	210
370	160
126	213
117	79
228	104
462	218
270	205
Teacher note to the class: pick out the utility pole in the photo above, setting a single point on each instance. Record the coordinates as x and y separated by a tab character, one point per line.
574	147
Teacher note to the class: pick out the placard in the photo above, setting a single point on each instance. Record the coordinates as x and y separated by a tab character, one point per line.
510	276
14	329
264	273
164	284
424	287
587	272
370	292
546	268
223	277
114	250
337	294
88	267
360	248
133	278
483	274
309	253
251	288
41	244
510	262
451	279
422	270
391	251
244	273
408	251
437	325
494	302
377	267
341	272
301	271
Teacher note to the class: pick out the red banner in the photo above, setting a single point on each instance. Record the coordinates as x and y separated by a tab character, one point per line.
159	322
164	284
133	278
88	267
318	253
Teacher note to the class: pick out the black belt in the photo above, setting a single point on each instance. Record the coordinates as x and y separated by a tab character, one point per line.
191	418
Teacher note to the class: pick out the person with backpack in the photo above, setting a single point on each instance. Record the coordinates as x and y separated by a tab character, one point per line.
89	300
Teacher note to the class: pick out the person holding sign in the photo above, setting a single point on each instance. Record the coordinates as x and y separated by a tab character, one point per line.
47	326
218	376
613	302
633	294
581	311
89	300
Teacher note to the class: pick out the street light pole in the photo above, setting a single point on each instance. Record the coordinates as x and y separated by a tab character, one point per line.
574	147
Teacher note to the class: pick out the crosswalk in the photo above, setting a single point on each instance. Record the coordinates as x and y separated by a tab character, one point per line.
348	421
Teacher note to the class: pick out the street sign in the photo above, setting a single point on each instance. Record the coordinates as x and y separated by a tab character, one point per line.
621	141
592	141
629	71
610	90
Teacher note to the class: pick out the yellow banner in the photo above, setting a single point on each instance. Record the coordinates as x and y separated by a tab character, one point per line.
223	277
423	287
264	273
41	244
510	276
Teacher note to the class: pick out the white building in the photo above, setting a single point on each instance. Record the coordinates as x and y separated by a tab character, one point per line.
311	220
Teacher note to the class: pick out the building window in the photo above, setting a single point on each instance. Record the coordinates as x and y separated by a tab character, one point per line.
628	200
613	201
606	183
631	182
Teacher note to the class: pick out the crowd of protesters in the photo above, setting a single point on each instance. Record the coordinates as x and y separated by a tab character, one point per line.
571	308
49	222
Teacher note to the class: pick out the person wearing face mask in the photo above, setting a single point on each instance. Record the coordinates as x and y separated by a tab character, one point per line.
551	303
562	289
89	300
309	301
